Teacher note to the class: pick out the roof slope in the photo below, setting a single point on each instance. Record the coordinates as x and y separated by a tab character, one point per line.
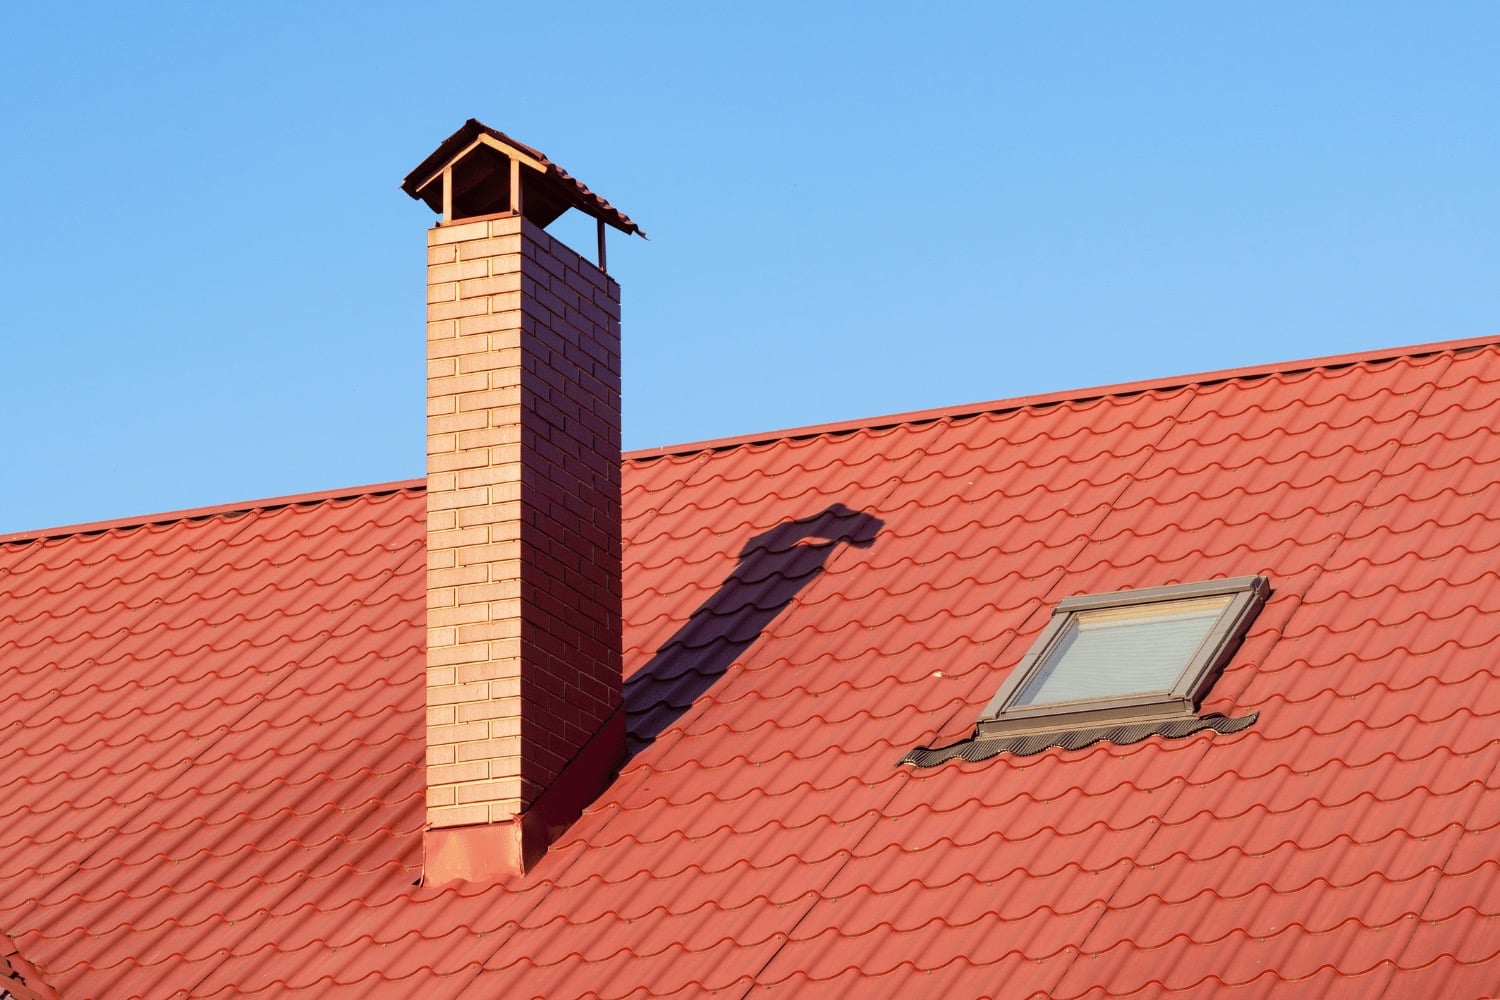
211	727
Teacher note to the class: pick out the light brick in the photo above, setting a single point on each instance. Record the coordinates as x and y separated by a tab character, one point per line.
455	815
504	650
456	232
493	322
493	284
508	585
495	668
455	537
483	438
488	475
457	271
465	732
504	507
455	384
504	609
479	556
452	461
466	771
460	614
445	352
498	791
494	748
457	655
454	694
498	401
437	311
494	708
505	364
449	499
483	631
495	246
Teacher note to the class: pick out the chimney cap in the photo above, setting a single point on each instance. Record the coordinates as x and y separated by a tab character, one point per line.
470	174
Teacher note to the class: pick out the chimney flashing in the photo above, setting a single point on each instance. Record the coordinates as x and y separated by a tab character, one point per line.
495	852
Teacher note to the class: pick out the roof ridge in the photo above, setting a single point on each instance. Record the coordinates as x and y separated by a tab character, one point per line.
881	422
878	422
214	510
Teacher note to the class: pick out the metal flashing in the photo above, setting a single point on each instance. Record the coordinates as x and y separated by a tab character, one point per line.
981	747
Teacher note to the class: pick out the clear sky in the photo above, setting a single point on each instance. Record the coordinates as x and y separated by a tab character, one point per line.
211	286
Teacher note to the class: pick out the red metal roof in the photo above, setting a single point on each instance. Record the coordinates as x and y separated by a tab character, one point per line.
211	727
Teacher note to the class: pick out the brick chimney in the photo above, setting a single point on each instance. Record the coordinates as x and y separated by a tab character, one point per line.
525	724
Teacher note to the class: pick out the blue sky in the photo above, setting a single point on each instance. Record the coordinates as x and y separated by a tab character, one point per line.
211	286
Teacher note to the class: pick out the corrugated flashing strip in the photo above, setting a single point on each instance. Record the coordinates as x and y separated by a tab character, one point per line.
978	748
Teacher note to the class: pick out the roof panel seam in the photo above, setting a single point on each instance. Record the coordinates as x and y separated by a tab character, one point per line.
1357	507
820	894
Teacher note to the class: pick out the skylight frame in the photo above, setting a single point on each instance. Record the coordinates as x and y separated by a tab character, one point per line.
1003	717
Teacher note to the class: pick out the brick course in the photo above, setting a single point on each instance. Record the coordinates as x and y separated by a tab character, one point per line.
523	515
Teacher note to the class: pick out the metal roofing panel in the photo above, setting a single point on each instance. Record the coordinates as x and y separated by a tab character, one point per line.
213	735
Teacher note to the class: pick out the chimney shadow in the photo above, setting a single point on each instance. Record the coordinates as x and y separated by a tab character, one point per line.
773	568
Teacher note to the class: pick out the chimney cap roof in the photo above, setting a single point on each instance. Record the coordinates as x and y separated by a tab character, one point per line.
474	159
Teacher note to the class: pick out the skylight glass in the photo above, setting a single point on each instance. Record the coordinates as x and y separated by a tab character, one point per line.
1119	651
1127	655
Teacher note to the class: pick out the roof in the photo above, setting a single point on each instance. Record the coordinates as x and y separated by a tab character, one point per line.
211	727
550	190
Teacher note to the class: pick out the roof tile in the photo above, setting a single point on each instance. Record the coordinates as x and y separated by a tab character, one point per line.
213	734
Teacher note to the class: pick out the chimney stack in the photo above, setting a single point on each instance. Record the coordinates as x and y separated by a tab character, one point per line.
525	723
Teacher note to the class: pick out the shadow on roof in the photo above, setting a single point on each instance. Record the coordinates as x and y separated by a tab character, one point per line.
773	568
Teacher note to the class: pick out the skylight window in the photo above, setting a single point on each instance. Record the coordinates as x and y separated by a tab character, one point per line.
1129	656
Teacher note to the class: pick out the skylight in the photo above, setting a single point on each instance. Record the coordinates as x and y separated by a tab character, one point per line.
1126	656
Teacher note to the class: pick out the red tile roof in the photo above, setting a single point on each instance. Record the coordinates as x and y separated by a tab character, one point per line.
211	726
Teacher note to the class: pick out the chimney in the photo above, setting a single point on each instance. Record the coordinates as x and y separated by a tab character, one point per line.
525	723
